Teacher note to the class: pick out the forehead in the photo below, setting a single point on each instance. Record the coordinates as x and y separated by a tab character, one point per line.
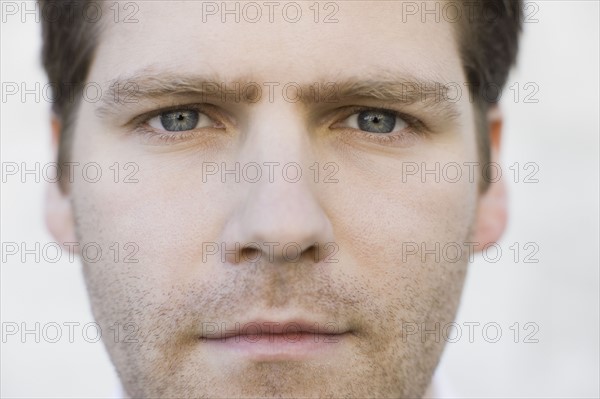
274	41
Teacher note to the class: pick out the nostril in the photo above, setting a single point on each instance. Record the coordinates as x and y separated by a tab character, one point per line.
250	254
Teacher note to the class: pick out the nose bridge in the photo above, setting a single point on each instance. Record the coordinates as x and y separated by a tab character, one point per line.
278	133
282	206
278	141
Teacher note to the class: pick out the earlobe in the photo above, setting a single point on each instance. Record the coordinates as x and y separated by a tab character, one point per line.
59	215
492	213
59	211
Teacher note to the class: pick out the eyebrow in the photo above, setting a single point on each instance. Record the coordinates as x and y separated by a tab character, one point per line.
383	87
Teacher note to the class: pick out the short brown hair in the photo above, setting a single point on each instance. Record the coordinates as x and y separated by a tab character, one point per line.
488	33
489	43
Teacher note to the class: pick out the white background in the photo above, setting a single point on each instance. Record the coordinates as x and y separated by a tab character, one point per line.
560	134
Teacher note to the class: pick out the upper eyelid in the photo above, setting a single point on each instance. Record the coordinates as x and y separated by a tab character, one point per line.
211	111
409	119
200	108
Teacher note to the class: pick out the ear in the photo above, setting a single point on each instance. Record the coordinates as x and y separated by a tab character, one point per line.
59	211
492	213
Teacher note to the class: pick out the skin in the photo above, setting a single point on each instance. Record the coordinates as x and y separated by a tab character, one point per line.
170	213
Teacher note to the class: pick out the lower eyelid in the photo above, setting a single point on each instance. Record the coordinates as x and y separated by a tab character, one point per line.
152	136
403	138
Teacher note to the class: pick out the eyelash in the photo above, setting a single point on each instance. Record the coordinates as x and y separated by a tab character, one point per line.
415	127
150	134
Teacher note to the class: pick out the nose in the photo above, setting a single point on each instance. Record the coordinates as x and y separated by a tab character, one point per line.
280	215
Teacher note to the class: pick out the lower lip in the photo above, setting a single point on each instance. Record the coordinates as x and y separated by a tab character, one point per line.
273	347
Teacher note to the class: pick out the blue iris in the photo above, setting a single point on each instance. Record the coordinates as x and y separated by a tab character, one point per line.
177	121
377	121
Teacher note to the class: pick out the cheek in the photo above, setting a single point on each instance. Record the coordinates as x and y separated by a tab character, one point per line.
381	211
380	223
387	222
151	234
167	219
150	230
148	201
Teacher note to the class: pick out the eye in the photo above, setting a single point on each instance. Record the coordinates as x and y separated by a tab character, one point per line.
189	123
180	120
376	121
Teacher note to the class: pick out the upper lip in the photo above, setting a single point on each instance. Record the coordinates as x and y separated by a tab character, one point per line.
271	327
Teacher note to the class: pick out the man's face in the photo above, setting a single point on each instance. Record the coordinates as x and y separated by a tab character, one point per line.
335	247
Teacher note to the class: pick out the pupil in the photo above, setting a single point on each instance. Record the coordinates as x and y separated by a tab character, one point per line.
376	121
178	121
